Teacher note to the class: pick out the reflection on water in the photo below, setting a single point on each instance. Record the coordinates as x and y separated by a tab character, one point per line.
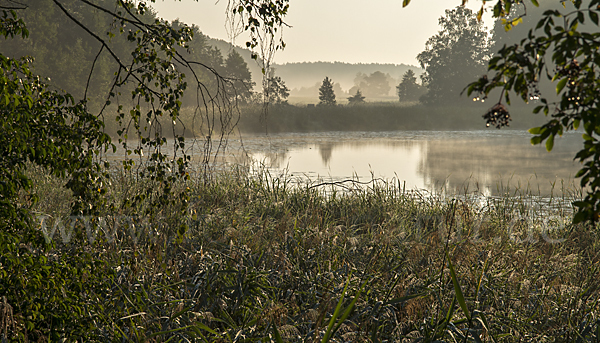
430	160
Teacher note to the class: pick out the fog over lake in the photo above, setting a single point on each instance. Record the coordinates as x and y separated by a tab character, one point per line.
432	160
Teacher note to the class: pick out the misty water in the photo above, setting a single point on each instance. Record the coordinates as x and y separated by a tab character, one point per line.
489	161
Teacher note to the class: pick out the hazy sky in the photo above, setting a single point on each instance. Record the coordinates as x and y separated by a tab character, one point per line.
353	31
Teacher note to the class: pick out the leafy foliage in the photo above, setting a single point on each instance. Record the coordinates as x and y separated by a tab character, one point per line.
52	130
53	293
558	50
454	56
263	19
326	93
49	129
62	51
278	92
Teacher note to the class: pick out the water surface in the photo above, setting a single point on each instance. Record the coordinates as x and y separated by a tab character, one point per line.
455	161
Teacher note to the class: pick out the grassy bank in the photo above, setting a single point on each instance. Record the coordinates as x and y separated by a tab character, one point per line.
384	116
260	260
377	117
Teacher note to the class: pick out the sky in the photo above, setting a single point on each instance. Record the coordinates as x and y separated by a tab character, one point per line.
351	31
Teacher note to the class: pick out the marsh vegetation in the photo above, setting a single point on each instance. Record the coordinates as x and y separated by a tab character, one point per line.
257	259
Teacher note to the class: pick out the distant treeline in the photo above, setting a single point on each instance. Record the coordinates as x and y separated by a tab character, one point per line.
307	74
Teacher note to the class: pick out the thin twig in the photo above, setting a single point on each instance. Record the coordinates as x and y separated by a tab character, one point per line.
340	183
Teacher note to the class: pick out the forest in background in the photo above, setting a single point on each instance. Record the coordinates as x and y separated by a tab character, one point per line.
64	54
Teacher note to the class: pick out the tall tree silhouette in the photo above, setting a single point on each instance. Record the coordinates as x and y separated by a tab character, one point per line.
409	89
278	92
237	70
326	93
455	56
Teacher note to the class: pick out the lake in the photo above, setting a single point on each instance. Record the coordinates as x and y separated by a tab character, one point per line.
488	161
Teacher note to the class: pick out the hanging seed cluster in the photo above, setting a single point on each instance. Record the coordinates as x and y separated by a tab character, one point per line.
497	116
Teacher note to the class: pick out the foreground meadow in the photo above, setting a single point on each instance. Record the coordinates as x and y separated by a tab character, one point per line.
259	259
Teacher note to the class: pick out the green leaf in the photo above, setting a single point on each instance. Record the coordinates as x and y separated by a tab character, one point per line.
536	140
171	331
406	298
457	290
594	17
535	3
349	308
516	22
535	130
550	143
405	3
179	313
561	84
580	204
481	318
276	334
451	310
579	217
497	9
335	315
330	328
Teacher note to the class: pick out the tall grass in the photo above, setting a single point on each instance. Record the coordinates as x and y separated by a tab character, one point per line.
262	260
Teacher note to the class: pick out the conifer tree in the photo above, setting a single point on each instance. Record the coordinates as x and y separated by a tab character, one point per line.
357	98
409	89
326	93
